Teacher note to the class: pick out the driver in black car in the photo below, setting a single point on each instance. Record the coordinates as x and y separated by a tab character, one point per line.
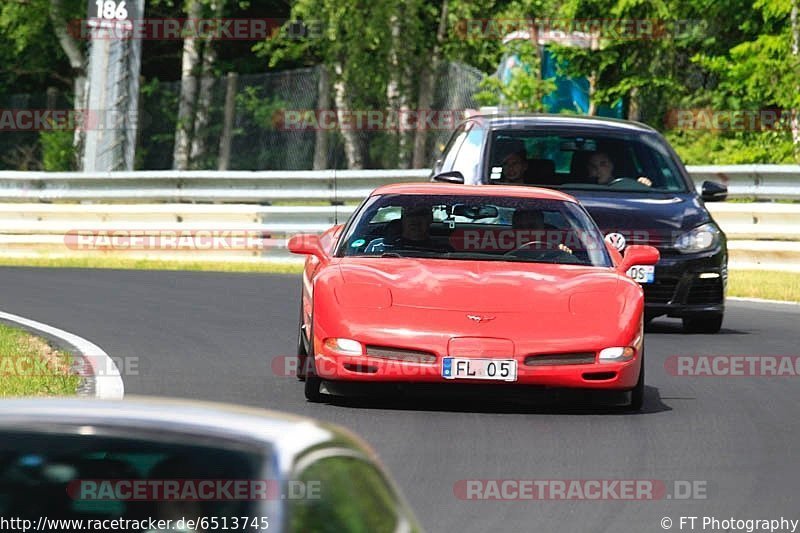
600	167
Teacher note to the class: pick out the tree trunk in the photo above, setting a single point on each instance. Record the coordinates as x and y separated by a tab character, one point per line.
323	104
189	64
352	143
203	110
595	45
795	20
634	105
77	61
404	141
426	91
393	87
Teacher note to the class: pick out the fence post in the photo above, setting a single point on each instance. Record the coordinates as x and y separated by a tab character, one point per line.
323	103
226	138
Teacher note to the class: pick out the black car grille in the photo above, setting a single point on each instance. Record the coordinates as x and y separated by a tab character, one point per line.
705	291
557	359
661	291
400	354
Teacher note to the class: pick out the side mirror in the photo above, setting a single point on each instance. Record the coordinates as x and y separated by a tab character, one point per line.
638	254
713	192
454	176
307	244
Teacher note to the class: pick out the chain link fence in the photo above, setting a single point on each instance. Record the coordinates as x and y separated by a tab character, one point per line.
258	139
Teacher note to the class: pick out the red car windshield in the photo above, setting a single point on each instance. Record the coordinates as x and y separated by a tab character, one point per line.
460	227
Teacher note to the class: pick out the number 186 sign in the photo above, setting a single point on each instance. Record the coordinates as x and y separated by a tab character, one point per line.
103	12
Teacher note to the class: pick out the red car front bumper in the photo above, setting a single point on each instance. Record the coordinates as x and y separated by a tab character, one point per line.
361	368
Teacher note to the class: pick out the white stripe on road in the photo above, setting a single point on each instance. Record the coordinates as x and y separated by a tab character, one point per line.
107	380
760	300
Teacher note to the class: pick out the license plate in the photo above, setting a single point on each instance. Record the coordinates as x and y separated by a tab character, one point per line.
642	273
495	369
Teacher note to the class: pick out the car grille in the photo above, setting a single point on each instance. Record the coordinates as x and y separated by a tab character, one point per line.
661	291
400	354
705	291
555	359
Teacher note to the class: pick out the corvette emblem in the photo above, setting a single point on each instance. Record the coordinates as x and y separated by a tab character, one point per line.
617	240
480	318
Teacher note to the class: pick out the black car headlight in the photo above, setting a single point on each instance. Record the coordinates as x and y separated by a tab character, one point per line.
699	239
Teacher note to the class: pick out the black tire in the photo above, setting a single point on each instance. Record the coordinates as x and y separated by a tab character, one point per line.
302	353
312	381
702	323
637	393
312	392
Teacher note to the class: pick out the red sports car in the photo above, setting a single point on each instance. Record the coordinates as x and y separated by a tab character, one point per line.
448	283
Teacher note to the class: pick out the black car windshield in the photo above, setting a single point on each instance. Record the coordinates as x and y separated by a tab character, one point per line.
462	227
596	162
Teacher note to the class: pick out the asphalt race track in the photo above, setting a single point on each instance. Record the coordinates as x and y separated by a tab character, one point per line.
213	336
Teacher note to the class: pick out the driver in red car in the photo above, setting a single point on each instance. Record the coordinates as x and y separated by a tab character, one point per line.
600	167
412	230
532	220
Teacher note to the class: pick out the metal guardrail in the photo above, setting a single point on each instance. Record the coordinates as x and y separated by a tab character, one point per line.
761	235
757	181
199	186
754	221
762	182
38	210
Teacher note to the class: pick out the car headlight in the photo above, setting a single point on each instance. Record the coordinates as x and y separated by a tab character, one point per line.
346	346
699	239
617	354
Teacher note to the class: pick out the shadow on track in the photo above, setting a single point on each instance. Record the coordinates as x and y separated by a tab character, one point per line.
672	326
477	399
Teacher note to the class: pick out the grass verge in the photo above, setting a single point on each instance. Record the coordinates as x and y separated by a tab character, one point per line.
31	367
762	284
152	264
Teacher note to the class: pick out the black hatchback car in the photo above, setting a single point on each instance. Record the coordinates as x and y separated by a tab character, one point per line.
631	182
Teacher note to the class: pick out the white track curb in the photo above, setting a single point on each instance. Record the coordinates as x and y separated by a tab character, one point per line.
107	380
760	300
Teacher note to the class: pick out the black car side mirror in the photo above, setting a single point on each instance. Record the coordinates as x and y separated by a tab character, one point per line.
453	176
713	192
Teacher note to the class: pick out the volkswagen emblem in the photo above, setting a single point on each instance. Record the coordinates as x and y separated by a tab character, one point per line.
617	240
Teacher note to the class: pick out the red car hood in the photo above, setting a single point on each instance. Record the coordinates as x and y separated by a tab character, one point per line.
480	286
